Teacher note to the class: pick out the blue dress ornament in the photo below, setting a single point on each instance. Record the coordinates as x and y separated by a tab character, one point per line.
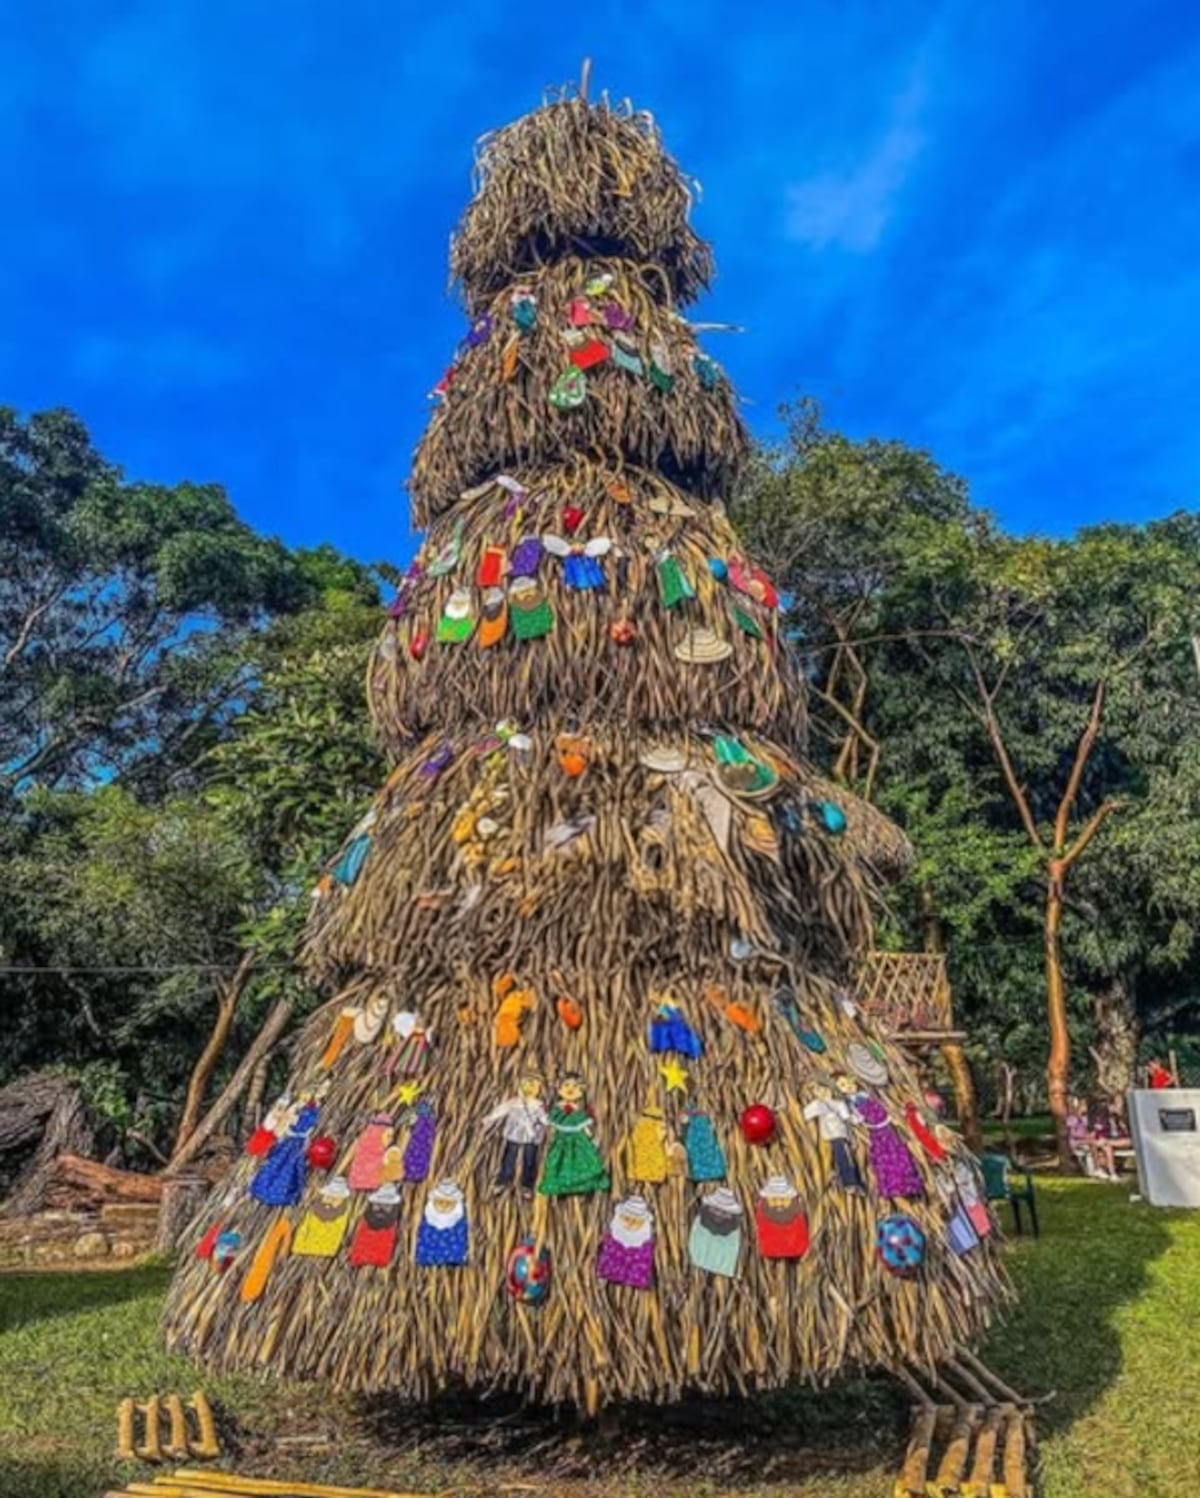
279	1181
348	866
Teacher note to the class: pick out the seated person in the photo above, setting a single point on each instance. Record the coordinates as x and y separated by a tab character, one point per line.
1109	1134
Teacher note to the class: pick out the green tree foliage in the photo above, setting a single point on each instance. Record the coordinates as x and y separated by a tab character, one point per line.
955	671
124	610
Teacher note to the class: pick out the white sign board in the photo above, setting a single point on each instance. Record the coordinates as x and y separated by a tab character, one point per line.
1165	1124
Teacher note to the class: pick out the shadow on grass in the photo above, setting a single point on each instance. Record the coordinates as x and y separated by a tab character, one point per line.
27	1297
1092	1259
778	1438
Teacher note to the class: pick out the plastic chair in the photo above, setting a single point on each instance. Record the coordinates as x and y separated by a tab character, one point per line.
999	1186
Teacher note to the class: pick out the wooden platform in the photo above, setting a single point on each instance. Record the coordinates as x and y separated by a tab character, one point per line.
212	1484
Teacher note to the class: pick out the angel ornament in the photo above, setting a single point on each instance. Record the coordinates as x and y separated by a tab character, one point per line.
581	562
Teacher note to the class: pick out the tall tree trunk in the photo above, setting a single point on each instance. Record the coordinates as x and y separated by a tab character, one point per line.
228	997
1116	1024
965	1100
1058	1063
274	1026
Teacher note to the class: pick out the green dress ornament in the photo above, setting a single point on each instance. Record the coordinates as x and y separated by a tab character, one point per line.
573	1165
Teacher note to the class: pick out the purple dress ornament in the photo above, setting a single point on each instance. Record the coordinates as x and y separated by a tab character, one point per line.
418	1152
896	1172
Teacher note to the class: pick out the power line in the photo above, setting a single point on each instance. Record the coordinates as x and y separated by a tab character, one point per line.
16	969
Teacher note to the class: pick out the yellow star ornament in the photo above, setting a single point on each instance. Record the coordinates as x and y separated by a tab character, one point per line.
674	1075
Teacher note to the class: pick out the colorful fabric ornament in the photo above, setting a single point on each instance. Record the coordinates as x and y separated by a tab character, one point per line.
573	1164
961	1236
673	585
526	558
280	1179
715	1239
739	771
490	571
831	817
832	1117
349	865
923	1134
278	1120
441	759
626	359
530	615
415	1042
442	1237
457	623
670	1032
967	1182
753	582
528	1274
747	624
446	559
225	1250
617	318
588	355
515	1004
707	372
705	1160
569	391
374	1240
323	1227
418	1150
660	370
896	1172
522	1121
581	565
493	622
274	1246
900	1244
780	1221
626	1254
367	1160
339	1036
648	1148
524	310
204	1249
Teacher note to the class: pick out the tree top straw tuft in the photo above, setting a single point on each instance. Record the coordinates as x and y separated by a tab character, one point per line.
577	178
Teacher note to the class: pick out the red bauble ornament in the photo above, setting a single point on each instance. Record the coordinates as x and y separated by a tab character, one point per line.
322	1152
418	645
758	1124
572	519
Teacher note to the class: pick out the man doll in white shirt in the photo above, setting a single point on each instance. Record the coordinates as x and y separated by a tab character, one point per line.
522	1122
832	1116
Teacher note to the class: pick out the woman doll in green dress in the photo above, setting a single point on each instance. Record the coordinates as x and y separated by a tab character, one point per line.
573	1164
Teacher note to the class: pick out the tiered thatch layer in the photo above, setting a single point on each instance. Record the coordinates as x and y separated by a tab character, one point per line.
600	805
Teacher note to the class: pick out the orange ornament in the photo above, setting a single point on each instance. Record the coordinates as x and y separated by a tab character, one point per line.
570	1013
572	755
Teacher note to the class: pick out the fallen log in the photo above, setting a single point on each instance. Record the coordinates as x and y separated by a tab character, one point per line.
75	1182
40	1116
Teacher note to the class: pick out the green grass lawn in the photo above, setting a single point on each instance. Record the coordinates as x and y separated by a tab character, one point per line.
1109	1318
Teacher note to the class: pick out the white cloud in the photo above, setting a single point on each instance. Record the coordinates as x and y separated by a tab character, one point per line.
850	208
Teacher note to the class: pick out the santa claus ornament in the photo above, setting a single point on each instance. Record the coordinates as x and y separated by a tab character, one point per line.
627	1249
715	1240
442	1238
780	1220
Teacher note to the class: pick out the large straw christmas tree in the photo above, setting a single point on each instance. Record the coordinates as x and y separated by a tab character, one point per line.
592	1113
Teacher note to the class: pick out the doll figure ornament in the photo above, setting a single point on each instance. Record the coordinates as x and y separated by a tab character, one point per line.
522	1121
573	1164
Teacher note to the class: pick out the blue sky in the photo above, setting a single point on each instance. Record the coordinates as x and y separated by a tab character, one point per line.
972	226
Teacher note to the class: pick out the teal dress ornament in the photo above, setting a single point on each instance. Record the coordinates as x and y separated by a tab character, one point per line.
705	1160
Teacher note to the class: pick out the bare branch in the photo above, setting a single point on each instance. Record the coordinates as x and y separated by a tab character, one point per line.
1083	751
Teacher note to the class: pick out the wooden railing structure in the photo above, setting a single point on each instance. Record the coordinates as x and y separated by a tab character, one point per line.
907	996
